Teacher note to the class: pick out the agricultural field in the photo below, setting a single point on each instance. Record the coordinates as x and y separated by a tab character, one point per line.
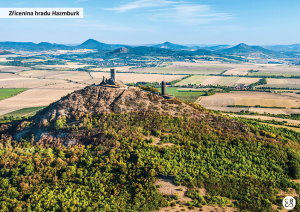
282	83
227	81
249	98
290	121
183	70
134	78
59	75
266	74
68	66
122	69
237	71
2	59
217	80
211	80
13	69
190	96
9	92
281	86
281	126
33	98
31	111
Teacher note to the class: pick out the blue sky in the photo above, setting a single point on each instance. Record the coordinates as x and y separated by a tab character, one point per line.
254	22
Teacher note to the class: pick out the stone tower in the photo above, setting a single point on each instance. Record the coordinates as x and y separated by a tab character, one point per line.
163	88
113	74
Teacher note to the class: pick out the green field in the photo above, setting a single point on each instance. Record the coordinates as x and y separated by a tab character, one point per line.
188	80
30	111
190	96
9	92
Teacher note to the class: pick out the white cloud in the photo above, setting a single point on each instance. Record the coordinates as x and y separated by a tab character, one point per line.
80	1
190	14
141	4
172	11
19	3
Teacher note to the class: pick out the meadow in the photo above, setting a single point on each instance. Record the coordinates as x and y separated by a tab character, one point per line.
9	92
65	75
190	96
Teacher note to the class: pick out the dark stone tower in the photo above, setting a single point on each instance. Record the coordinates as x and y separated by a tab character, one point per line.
163	88
113	74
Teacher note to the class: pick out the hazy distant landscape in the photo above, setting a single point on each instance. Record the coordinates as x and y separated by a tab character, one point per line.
231	71
150	105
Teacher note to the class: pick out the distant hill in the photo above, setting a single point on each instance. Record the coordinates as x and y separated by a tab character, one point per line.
44	46
148	51
29	46
5	52
168	45
142	51
217	47
245	49
120	50
93	44
284	48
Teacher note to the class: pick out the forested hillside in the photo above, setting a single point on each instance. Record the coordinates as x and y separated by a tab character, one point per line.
117	166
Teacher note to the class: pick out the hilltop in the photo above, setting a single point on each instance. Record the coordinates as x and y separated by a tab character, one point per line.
94	100
125	149
245	49
168	45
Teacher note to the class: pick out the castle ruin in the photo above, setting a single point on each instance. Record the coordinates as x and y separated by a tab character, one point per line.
111	80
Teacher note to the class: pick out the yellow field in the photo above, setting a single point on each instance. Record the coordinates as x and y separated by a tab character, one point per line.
251	99
70	75
237	71
33	98
211	80
247	81
276	81
133	78
124	68
15	81
61	66
279	126
290	121
4	60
